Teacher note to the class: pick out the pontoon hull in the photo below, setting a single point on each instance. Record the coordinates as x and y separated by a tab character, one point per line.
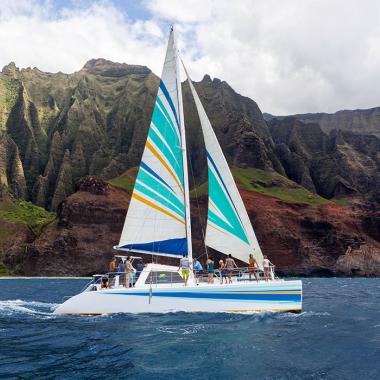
266	296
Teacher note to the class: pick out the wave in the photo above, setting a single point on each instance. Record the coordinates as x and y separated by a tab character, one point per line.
11	307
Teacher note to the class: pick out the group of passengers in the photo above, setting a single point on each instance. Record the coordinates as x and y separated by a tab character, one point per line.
225	269
128	272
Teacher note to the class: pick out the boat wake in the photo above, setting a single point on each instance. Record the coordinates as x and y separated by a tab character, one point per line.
12	307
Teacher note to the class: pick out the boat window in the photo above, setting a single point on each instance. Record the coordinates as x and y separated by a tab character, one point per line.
163	277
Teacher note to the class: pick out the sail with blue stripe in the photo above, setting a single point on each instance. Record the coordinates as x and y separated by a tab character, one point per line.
229	229
158	217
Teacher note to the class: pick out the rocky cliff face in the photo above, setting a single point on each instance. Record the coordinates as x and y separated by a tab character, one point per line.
238	123
66	126
365	122
301	239
56	128
95	122
337	164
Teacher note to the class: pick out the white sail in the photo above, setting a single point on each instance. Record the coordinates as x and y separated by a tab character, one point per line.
157	218
229	229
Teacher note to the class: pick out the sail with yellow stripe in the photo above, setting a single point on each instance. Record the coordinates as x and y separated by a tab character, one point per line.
158	219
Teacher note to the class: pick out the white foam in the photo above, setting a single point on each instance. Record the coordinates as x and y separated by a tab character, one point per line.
9	307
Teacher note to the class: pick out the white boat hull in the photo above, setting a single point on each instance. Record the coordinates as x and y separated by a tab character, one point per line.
271	296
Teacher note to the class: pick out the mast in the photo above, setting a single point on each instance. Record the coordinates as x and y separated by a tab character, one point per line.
184	152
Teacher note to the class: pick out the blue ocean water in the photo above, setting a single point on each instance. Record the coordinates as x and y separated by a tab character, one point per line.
337	336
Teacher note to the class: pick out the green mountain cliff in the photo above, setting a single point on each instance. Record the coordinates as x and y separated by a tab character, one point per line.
301	172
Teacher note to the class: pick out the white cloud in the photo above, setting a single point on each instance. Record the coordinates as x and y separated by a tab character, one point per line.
33	34
290	56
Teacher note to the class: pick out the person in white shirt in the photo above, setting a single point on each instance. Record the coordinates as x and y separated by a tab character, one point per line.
128	273
267	264
184	266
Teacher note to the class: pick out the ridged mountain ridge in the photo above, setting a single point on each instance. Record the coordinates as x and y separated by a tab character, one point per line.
56	128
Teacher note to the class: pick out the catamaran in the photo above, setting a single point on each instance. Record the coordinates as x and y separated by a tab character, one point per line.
158	224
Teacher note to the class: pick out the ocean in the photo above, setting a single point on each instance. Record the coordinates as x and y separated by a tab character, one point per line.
337	336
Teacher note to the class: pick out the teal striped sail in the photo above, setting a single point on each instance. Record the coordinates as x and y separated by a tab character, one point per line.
229	229
156	221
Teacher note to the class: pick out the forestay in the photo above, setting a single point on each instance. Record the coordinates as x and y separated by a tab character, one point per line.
156	218
229	229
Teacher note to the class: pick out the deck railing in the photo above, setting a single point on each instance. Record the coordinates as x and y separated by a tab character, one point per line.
172	277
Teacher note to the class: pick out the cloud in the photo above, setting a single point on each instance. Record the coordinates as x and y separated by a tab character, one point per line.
35	34
291	56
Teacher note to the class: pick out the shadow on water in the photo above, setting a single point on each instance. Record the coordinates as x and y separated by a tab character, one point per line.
336	336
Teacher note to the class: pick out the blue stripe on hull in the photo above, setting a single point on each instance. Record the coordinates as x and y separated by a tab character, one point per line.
222	296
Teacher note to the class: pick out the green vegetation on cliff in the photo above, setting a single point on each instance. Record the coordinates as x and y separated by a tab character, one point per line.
4	271
124	182
275	185
271	184
26	213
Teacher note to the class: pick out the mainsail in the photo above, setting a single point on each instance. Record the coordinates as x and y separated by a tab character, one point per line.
229	229
158	219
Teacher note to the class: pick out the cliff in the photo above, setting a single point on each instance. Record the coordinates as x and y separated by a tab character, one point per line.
360	121
302	233
311	186
56	128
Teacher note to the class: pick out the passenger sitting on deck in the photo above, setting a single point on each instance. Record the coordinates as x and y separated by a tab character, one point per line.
267	264
222	270
230	265
197	267
252	267
104	282
184	265
210	270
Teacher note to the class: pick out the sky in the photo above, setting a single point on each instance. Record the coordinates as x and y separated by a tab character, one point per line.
290	56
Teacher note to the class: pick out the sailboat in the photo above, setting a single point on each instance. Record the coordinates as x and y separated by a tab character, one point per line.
158	224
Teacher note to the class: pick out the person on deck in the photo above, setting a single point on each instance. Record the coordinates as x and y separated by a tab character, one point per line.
113	265
267	264
128	273
184	266
112	268
252	267
210	270
121	271
139	269
222	270
230	265
197	268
